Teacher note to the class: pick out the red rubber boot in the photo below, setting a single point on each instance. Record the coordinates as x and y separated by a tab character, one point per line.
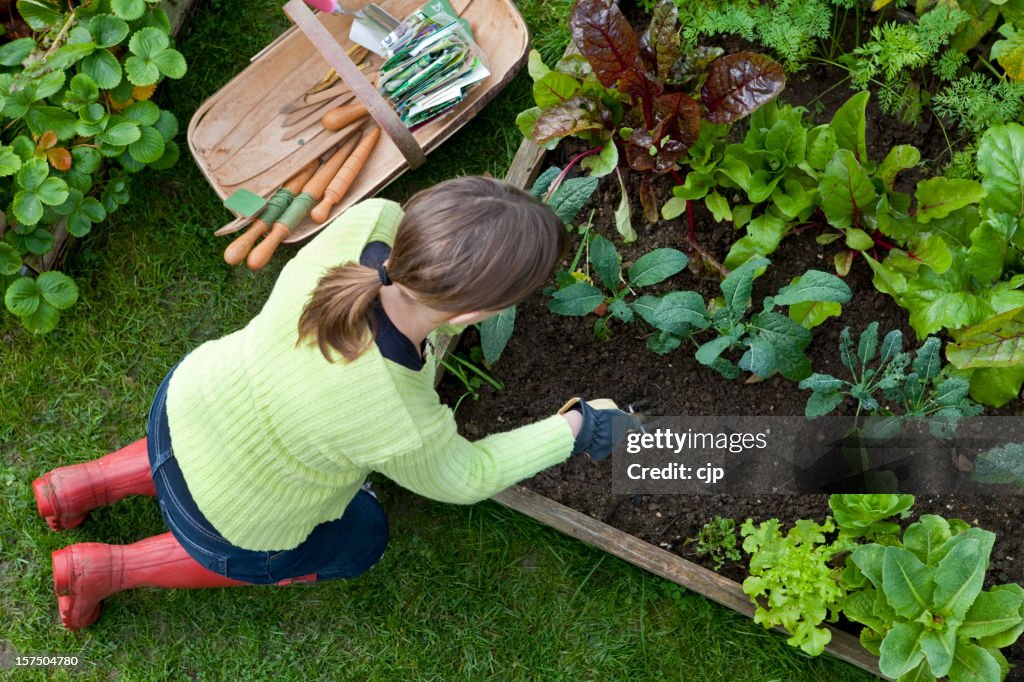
86	573
64	496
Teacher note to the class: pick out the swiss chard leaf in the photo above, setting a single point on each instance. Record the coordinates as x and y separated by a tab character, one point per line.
604	36
739	83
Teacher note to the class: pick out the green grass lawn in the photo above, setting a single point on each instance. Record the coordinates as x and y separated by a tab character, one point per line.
463	593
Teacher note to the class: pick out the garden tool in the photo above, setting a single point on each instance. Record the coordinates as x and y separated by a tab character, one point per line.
65	496
370	25
237	250
86	573
336	190
311	193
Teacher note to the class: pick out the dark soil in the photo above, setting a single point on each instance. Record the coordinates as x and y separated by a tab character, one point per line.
551	358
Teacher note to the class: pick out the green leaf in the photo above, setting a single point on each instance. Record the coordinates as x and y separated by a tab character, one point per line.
679	312
15	52
23	297
1001	465
621	310
971	663
814	285
813	313
868	344
738	285
1001	162
708	353
719	207
86	159
822	383
938	650
33	173
140	71
167	124
43	320
928	362
536	66
623	220
27	207
759	357
149	147
603	163
495	332
849	124
908	586
605	260
39	241
571	196
148	41
39	14
820	404
128	9
645	307
52	192
938	197
144	113
108	30
10	162
10	260
57	289
62	122
82	92
821	145
663	343
656	266
1009	51
994	612
576	300
996	386
927	537
788	339
988	252
553	88
901	157
172	64
961	573
103	68
121	134
901	650
996	342
170	157
846	191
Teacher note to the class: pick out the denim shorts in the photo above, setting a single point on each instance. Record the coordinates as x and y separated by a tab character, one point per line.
343	548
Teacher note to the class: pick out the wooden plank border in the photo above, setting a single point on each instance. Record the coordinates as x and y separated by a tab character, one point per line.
662	563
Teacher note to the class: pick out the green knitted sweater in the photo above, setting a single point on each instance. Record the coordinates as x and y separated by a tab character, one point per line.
272	439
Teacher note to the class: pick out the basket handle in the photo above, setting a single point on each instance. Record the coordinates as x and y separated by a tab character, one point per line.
377	106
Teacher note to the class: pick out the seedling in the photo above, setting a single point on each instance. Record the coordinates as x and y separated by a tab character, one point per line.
717	541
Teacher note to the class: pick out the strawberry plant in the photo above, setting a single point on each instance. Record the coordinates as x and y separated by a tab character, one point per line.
78	121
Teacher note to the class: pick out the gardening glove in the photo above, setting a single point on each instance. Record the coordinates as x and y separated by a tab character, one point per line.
604	427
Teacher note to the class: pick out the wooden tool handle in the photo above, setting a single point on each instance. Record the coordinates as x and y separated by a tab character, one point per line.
318	183
237	250
346	175
339	117
260	255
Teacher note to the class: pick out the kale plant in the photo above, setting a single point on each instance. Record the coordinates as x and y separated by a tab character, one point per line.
886	381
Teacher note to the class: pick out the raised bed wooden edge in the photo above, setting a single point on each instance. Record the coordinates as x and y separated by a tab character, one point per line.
844	646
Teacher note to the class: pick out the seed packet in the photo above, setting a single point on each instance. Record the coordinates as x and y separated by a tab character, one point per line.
432	61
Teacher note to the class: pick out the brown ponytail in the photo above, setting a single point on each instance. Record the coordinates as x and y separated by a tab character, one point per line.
338	313
466	244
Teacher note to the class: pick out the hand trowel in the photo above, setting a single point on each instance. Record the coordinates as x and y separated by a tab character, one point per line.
370	25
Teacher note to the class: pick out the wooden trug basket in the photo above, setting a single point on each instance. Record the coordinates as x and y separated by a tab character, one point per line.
235	135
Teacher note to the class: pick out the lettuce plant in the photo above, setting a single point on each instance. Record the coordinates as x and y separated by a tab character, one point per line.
792	581
925	612
863	516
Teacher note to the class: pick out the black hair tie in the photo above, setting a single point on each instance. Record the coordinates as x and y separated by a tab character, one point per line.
382	273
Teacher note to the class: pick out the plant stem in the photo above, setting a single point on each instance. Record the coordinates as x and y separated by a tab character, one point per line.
565	171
